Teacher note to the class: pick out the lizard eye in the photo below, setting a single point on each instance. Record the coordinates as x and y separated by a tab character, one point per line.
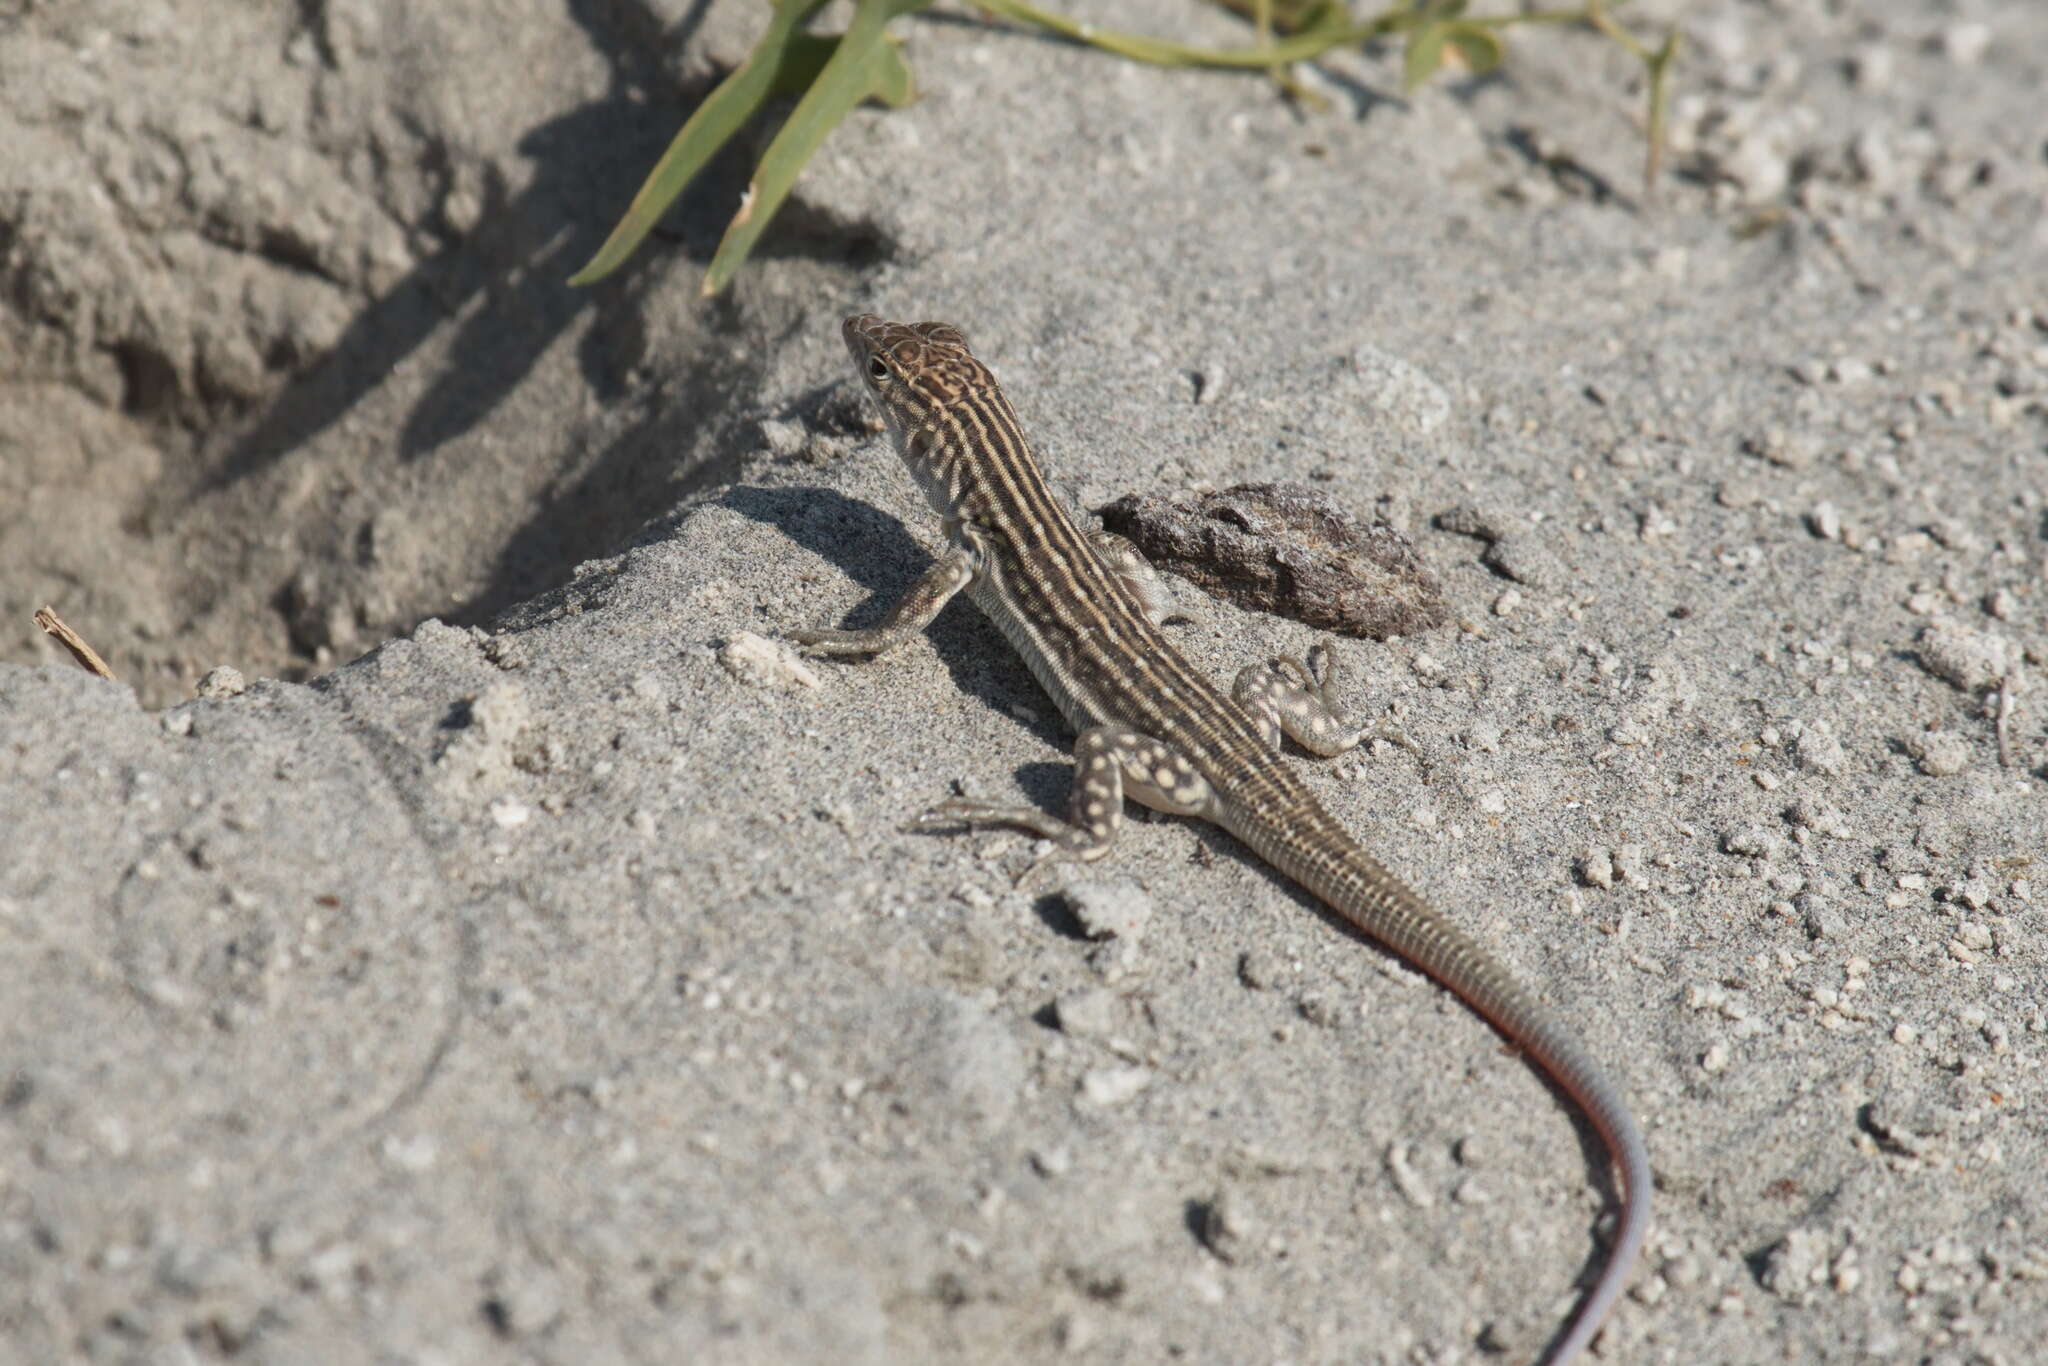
878	368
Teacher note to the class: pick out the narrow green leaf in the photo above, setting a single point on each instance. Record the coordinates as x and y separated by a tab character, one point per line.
1328	20
1660	93
863	64
893	86
1300	47
1425	53
738	98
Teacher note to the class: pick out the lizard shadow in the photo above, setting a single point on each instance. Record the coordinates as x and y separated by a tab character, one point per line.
877	551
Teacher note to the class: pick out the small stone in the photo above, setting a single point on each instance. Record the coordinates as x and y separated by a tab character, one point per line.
1106	1086
1525	560
1321	1011
1796	1265
1596	868
1871	66
784	438
1051	1163
1751	841
223	681
1941	754
1787	450
1974	892
1073	1333
510	813
1759	165
1821	817
1871	157
1226	1226
1259	969
1088	1014
1715	1059
1817	749
764	663
1908	548
1406	1179
1969	659
1117	909
1822	920
1483	524
1825	521
1964	44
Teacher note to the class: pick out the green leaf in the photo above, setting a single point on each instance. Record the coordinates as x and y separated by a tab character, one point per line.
1478	48
1328	20
1425	53
738	98
806	56
863	64
1330	29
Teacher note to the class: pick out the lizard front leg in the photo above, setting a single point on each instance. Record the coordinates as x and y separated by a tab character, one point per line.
954	571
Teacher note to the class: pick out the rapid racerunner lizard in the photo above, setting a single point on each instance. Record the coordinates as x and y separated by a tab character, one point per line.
1079	609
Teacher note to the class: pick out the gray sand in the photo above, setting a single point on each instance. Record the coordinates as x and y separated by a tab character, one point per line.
562	984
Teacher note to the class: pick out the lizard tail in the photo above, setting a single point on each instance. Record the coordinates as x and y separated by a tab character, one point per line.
1321	856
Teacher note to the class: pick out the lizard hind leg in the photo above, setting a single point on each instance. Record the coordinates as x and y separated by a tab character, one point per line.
1110	764
1285	694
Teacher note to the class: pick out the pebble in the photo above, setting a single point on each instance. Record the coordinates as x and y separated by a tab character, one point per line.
1965	43
764	663
1226	1227
1796	1265
1871	66
1786	450
1825	521
510	813
1822	920
1941	754
1817	749
1089	1014
1821	817
223	681
1969	659
1406	1179
1596	867
1106	1086
1117	909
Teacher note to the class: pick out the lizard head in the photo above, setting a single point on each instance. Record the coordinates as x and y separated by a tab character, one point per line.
914	370
918	374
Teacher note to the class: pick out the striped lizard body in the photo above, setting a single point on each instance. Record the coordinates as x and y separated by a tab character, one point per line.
1079	609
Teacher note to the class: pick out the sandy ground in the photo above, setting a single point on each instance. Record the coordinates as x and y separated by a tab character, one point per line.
541	970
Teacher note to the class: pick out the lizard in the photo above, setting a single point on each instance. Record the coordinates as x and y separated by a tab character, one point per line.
1081	610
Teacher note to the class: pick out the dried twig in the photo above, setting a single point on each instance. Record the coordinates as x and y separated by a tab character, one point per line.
87	657
2008	704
